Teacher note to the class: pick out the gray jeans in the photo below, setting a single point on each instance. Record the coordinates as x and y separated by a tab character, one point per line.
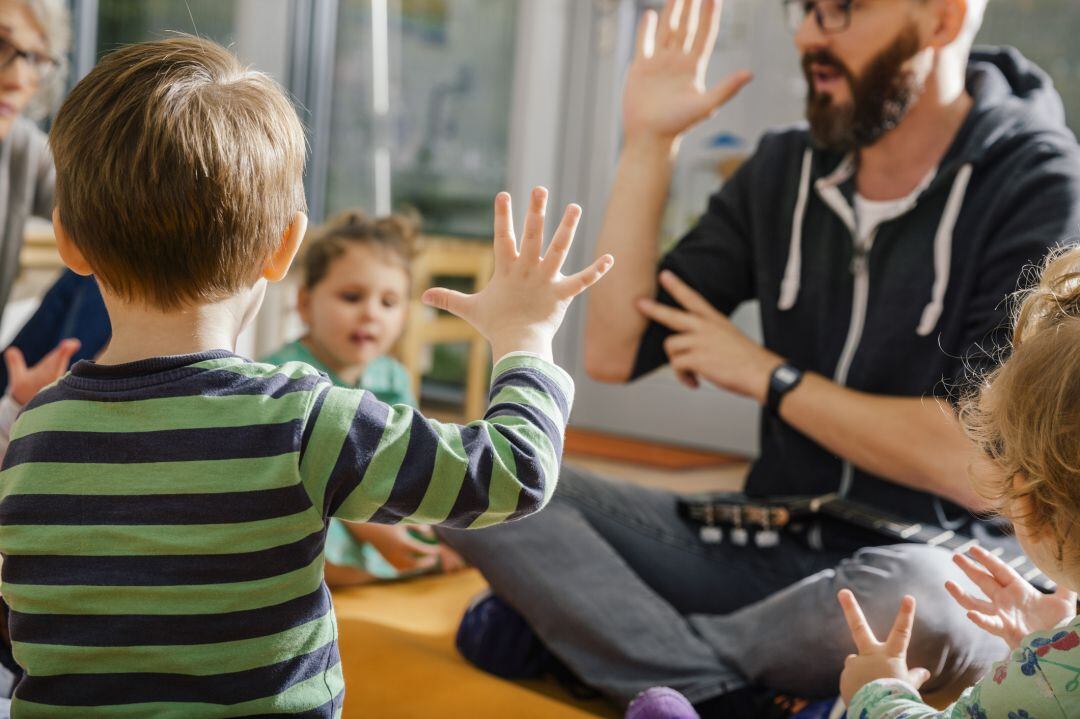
623	591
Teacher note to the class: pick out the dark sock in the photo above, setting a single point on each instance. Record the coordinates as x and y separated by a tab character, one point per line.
746	703
739	704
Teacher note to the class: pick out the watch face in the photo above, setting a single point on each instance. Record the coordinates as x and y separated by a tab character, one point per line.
787	375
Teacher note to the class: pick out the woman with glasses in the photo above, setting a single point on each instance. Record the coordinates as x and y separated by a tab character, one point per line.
34	37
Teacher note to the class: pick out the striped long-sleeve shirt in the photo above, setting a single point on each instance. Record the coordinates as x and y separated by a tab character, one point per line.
162	524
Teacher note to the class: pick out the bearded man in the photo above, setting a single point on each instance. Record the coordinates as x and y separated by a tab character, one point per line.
881	239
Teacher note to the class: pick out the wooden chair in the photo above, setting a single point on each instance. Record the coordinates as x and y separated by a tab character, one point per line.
448	257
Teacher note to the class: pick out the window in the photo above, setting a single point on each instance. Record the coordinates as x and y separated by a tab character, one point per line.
421	109
1045	31
258	31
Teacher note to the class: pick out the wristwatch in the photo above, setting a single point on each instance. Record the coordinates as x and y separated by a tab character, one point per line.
784	378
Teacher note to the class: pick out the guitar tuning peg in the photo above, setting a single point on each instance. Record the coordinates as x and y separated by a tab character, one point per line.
767	538
711	535
739	536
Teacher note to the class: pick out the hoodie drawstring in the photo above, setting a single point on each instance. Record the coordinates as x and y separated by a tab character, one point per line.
789	287
943	251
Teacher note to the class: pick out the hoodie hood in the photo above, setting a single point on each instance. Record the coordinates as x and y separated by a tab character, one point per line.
1014	101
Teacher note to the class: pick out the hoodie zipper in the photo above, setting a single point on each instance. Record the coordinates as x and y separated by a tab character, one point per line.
860	269
860	300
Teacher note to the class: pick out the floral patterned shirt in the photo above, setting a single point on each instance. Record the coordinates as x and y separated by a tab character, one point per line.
1040	680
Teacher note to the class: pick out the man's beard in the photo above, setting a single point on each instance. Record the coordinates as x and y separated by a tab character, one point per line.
880	99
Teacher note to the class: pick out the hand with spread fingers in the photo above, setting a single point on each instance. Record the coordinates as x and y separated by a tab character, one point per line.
25	382
707	345
1012	608
878	660
665	86
523	305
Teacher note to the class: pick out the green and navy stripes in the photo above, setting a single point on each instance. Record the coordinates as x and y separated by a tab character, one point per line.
162	524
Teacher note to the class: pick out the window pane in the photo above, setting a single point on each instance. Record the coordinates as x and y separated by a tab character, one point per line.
439	143
256	30
1045	31
121	22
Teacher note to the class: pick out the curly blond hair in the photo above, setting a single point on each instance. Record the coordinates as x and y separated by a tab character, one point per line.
1025	415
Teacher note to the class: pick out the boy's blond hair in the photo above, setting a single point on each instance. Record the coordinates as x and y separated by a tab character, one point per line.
177	171
1026	415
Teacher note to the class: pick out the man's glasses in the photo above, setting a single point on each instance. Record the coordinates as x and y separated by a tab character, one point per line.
832	16
41	65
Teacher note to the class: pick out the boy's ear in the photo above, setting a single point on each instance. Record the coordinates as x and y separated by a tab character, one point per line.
69	253
277	266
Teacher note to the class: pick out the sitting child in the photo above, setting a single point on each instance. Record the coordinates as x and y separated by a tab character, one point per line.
354	301
163	510
1026	419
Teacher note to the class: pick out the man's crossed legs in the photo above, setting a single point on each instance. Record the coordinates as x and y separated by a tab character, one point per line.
623	591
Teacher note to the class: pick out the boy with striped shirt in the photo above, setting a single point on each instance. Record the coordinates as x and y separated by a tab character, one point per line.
163	511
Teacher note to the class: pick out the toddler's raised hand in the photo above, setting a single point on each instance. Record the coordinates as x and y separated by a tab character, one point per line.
1013	608
877	660
523	305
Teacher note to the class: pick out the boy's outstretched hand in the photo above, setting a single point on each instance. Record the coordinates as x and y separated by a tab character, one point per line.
523	305
25	382
877	660
1013	608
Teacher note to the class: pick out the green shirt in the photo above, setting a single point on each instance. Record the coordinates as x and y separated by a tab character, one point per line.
162	524
385	377
388	380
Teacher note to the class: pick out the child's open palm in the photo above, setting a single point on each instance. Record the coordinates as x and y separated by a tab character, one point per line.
878	660
1013	608
523	305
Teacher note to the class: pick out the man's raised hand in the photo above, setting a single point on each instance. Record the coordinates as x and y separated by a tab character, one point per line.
523	305
665	88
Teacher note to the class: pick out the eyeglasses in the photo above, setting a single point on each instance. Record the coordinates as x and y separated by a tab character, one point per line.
832	16
41	65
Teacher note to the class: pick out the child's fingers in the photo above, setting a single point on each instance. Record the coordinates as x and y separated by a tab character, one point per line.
505	245
865	641
562	240
968	601
532	238
574	285
16	363
918	676
999	570
900	635
60	356
456	303
975	572
989	624
646	38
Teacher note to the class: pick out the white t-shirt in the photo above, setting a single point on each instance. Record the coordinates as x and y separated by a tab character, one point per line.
870	214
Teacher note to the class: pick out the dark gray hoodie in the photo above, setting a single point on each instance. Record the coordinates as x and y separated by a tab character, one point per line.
923	302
